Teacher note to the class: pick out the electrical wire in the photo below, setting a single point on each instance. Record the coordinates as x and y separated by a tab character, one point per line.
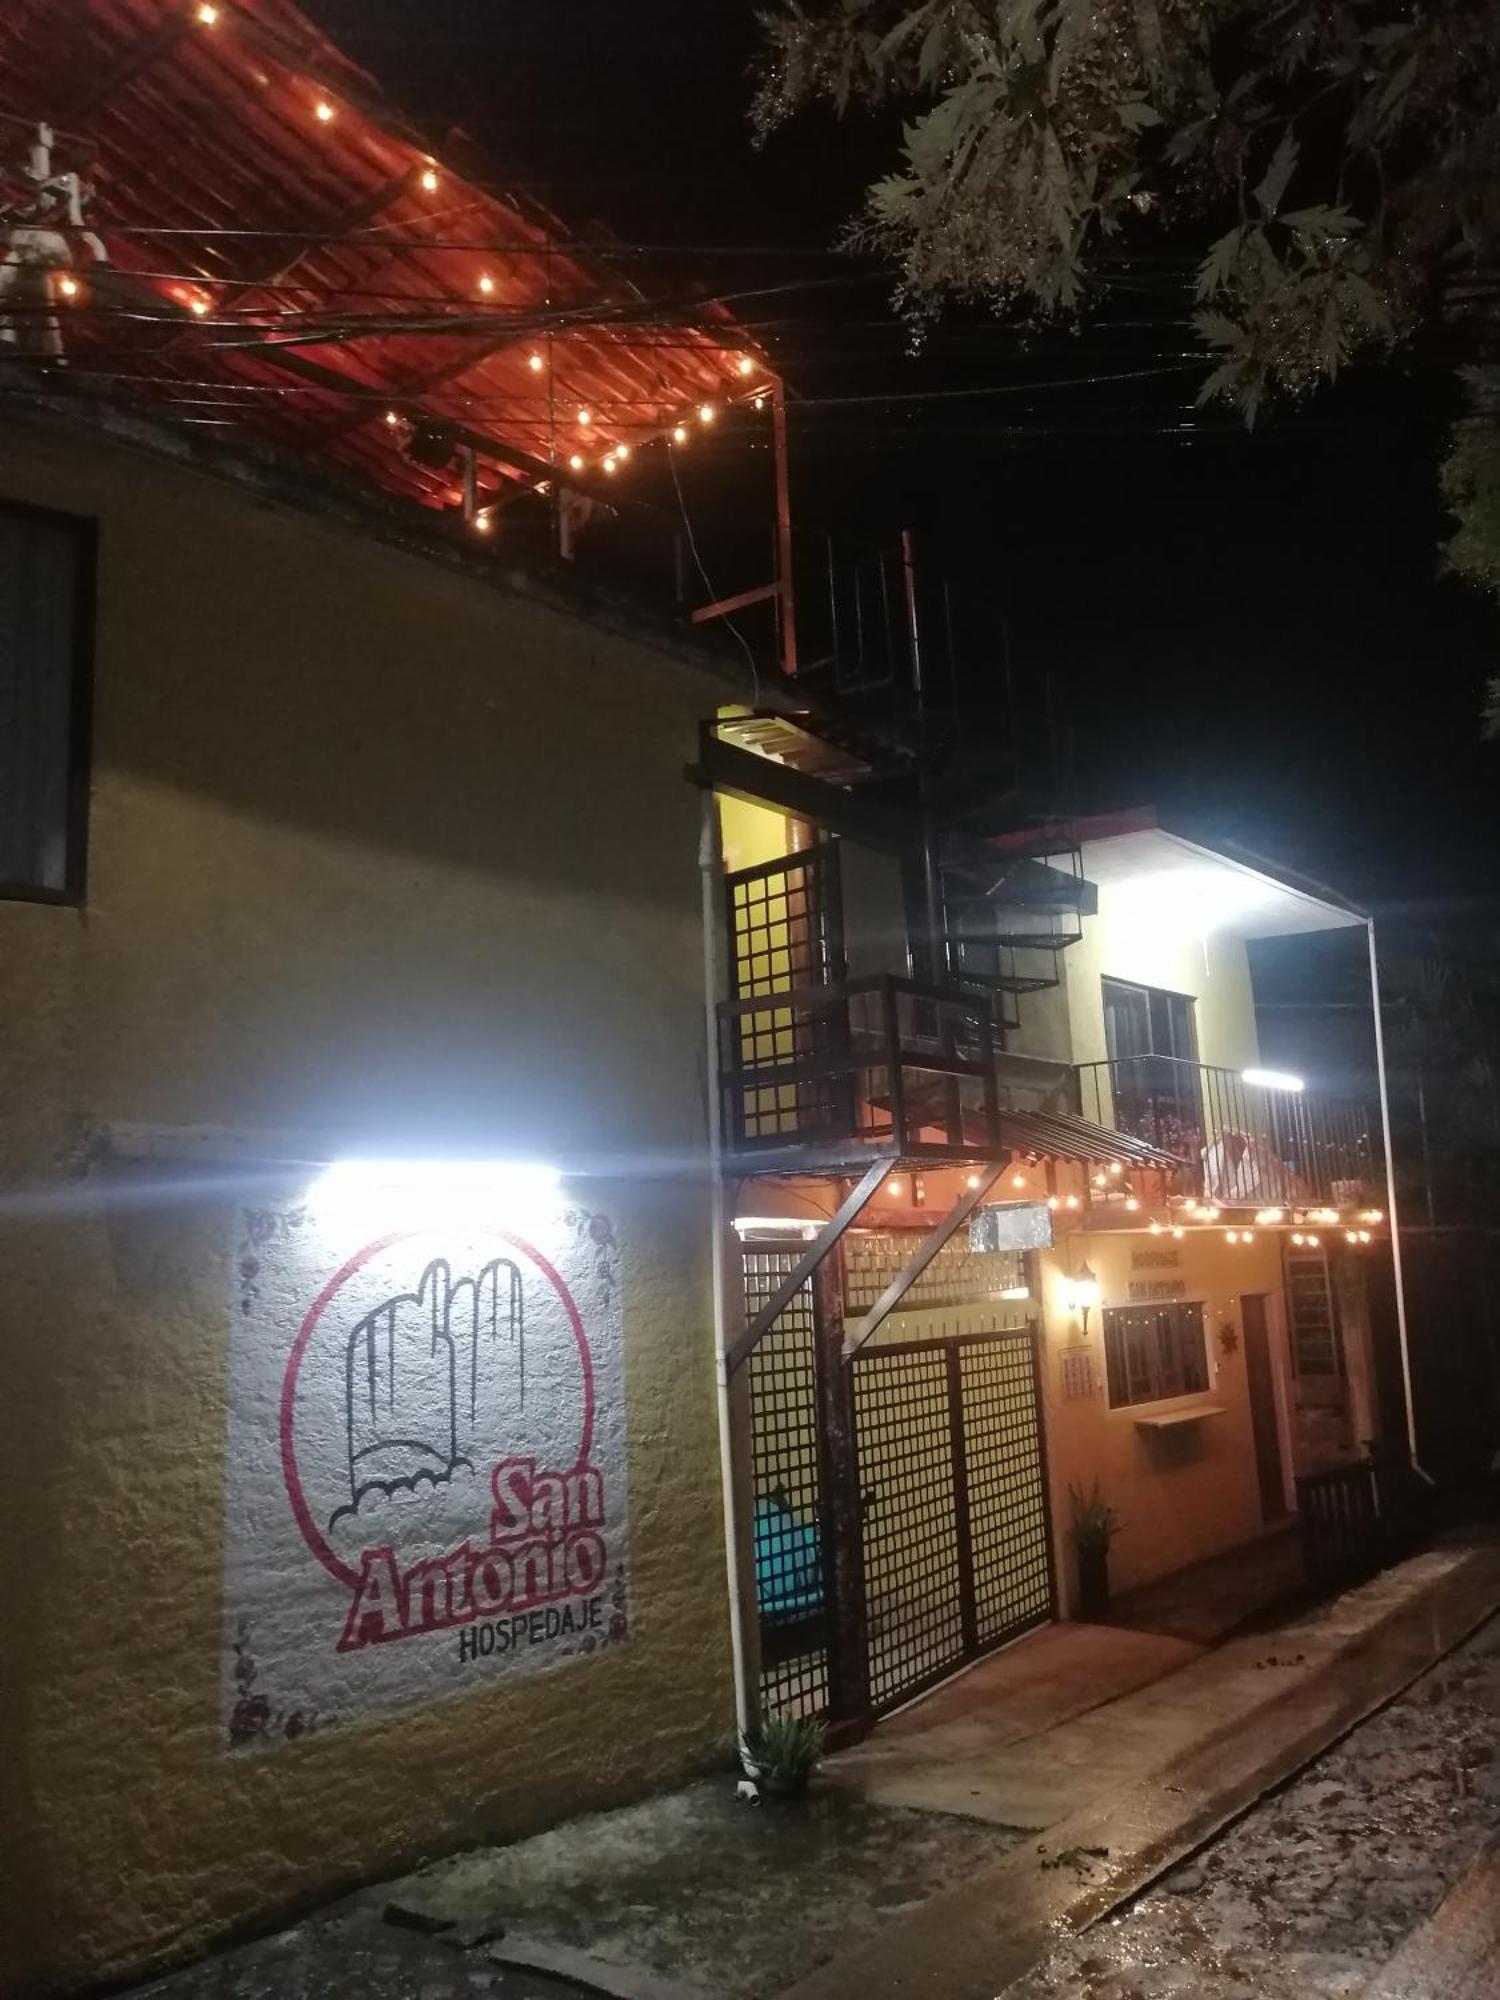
692	542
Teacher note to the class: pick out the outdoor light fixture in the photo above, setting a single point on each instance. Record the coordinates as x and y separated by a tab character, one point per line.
1083	1294
1271	1079
776	1225
416	1193
1016	1292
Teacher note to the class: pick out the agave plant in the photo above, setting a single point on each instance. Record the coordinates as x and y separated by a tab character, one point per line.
781	1754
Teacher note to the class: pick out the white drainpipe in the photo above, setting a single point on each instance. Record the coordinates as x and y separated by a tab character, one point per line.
711	870
1390	1197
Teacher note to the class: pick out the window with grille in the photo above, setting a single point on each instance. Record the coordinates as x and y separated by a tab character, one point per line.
1154	1352
1312	1317
46	588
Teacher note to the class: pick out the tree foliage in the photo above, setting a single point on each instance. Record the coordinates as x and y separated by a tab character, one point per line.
1336	163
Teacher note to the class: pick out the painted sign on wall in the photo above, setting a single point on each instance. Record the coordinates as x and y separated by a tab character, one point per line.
426	1458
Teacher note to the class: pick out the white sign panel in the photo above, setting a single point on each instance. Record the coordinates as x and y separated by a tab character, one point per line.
426	1465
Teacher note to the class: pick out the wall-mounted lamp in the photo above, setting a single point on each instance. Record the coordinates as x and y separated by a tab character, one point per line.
1083	1294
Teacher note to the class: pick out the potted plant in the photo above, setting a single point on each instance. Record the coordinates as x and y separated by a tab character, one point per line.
781	1755
1095	1525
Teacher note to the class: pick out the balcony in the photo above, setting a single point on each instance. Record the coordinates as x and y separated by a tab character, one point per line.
1241	1144
845	1073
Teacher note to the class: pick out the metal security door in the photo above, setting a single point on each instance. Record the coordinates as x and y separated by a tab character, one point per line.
955	1532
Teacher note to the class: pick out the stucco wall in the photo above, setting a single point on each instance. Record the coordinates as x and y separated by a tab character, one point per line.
380	852
1186	1493
1152	948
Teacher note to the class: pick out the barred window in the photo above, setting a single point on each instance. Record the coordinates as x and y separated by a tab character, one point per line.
1153	1352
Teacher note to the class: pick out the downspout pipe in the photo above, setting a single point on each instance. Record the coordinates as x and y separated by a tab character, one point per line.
711	872
1390	1199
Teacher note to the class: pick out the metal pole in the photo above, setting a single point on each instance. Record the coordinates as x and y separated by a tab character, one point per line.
1390	1197
711	865
785	580
932	893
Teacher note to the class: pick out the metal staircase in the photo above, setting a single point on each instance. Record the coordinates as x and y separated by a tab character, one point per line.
1009	922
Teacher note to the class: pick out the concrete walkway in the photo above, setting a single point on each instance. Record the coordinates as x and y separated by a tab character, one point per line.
1176	1762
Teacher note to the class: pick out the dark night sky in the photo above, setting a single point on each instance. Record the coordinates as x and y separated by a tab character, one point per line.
1248	630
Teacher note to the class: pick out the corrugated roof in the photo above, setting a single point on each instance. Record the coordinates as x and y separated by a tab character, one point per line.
286	252
1058	1135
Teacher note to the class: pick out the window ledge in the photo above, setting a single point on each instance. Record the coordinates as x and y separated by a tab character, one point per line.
1169	1419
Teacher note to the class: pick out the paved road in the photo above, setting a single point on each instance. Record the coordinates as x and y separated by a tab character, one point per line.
1313	1892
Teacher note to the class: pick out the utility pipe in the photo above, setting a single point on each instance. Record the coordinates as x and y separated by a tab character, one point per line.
1390	1198
711	871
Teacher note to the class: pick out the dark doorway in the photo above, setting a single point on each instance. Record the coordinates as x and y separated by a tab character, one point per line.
1268	1465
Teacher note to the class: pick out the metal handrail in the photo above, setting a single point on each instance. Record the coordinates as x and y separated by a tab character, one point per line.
1246	1143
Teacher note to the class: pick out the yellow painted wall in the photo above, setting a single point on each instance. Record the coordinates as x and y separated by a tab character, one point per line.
1213	970
1183	1494
381	851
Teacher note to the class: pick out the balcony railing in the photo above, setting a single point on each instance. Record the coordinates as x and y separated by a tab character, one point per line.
878	1065
1240	1143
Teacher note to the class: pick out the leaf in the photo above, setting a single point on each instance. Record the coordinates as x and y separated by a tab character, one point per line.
1136	115
1217	268
1283	164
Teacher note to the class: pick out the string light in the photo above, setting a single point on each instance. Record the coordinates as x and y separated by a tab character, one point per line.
706	413
1018	1180
1298	1237
393	416
1312	1242
430	180
585	418
482	522
1053	1202
1071	1202
972	1181
486	282
1179	1232
608	464
1132	1205
622	451
1247	1236
1269	1215
576	461
893	1188
1115	1167
207	14
1156	1229
323	111
679	435
760	402
1372	1215
198	307
745	365
68	287
535	363
1231	1236
1364	1236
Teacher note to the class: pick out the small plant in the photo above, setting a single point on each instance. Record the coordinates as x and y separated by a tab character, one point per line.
782	1754
1095	1522
1095	1525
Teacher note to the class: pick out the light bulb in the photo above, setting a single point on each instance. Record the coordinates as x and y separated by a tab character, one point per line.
1231	1236
609	464
207	14
1247	1236
535	363
576	461
198	307
1018	1180
1132	1205
893	1187
1115	1167
1156	1229
584	417
972	1181
706	413
622	451
1071	1202
1313	1241
1053	1202
1179	1232
745	365
430	179
1364	1236
680	436
760	402
486	282
68	287
393	416
323	111
483	523
1298	1237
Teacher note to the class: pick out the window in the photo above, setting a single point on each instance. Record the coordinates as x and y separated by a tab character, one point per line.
1152	1352
1313	1316
1152	1041
46	595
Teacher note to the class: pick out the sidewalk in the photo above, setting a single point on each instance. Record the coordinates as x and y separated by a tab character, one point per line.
940	1858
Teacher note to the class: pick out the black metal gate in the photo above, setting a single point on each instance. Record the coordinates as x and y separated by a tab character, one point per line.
954	1523
901	1523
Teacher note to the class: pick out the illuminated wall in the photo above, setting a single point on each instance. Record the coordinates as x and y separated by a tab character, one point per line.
1170	940
380	852
1185	1492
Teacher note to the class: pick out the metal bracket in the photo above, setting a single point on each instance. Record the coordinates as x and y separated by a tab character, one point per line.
803	1269
909	1273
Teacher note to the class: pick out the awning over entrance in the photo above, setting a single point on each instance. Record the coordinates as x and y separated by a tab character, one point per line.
1059	1135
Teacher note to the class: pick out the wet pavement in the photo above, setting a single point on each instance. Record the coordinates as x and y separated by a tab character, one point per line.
1309	1895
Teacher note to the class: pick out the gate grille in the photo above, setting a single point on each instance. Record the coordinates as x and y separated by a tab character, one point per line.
912	1565
788	1494
956	1534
